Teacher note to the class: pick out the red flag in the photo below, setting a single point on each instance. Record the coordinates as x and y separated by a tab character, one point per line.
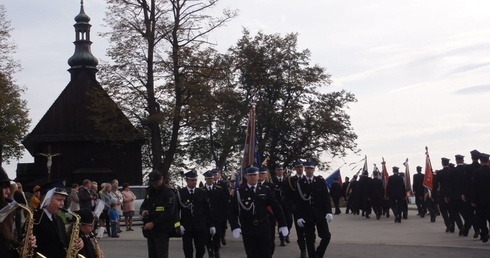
408	184
429	176
249	153
384	173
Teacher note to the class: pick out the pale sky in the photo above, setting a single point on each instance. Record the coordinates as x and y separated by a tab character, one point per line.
419	69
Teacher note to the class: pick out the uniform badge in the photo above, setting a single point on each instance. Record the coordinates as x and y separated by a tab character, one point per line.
246	203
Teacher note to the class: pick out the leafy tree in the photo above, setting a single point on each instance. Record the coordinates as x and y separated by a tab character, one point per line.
14	121
159	53
295	118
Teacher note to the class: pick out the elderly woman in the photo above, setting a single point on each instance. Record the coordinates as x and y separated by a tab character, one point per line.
128	206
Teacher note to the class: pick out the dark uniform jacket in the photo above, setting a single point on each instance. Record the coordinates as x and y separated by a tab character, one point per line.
313	200
396	187
161	205
251	209
218	202
280	191
418	184
51	237
458	186
481	186
444	183
291	191
336	190
468	179
194	210
377	190
88	250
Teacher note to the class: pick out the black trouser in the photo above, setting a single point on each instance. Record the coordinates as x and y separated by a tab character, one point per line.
199	239
431	207
366	205
336	201
444	209
483	215
454	212
300	233
396	206
213	243
158	246
419	202
289	219
377	204
272	222
256	240
321	226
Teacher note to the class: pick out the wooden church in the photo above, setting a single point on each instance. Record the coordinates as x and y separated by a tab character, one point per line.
84	134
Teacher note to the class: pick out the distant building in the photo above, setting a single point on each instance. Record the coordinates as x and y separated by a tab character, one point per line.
68	144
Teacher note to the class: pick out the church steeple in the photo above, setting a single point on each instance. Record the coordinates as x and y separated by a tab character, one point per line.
82	58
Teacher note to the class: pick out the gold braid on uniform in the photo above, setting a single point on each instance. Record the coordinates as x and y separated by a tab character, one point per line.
301	193
252	206
187	206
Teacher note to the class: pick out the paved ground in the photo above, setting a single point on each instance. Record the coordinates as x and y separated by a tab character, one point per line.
352	236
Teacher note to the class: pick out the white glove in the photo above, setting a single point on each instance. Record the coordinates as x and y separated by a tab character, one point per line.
329	217
301	223
237	232
212	231
181	230
283	231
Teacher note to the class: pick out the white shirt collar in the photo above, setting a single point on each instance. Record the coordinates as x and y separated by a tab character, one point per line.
50	216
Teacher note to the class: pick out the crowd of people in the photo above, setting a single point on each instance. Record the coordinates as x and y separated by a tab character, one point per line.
257	208
46	213
459	194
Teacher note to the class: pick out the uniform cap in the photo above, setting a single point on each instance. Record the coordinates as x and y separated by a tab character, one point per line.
191	174
278	166
252	170
298	162
445	161
309	164
475	154
419	168
209	174
86	216
459	157
263	170
154	176
484	157
395	169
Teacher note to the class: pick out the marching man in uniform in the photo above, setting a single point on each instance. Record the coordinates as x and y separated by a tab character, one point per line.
313	210
249	205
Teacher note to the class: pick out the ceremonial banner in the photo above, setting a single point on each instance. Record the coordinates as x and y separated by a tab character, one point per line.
408	184
429	176
331	177
250	155
384	174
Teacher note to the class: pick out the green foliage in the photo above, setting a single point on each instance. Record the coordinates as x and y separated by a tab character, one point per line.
14	121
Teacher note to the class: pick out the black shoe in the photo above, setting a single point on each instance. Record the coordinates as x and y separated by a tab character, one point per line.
378	217
223	241
404	216
387	215
282	243
287	239
461	232
477	233
432	219
484	238
367	217
451	229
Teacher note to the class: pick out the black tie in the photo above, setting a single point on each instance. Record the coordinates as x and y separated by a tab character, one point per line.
252	188
192	191
309	181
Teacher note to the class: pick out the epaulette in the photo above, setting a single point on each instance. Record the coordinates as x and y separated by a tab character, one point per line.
218	186
319	177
